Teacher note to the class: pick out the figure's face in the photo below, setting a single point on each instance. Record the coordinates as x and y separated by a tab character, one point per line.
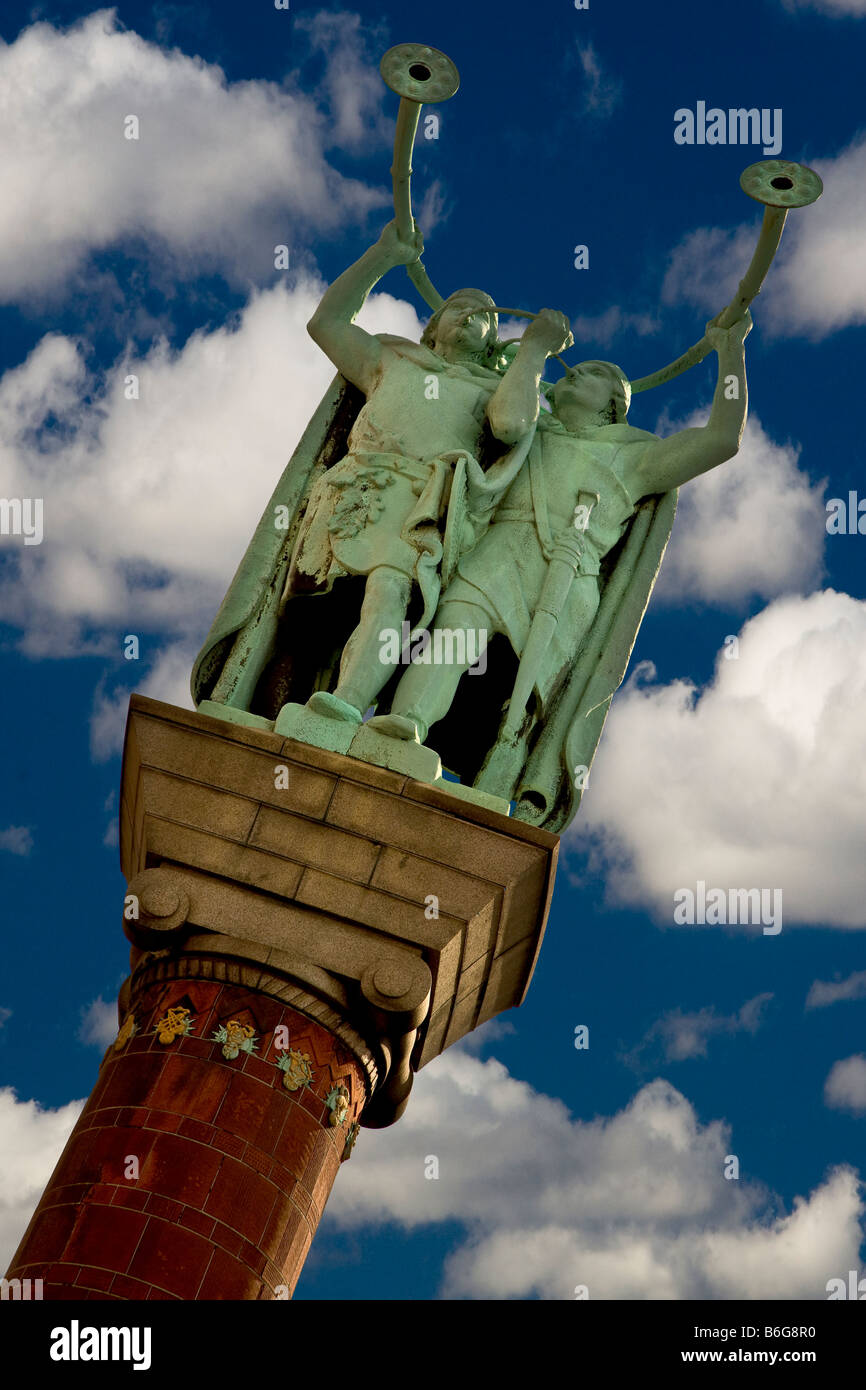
460	336
587	387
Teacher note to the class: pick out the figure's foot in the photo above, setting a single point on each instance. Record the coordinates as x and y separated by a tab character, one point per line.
397	726
332	707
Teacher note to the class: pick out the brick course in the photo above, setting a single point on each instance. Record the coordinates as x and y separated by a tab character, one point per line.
228	1160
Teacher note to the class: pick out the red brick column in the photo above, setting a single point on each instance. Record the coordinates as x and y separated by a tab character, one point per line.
190	1175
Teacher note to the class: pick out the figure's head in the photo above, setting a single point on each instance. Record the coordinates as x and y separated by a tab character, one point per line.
453	332
592	393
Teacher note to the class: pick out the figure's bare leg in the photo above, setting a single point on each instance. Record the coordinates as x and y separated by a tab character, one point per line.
362	670
425	692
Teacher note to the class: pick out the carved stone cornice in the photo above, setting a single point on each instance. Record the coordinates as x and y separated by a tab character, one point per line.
407	915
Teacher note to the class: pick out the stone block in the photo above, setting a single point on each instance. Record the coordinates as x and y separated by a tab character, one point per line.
298	722
400	755
410	876
406	920
164	1207
217	710
179	844
352	768
314	880
464	1013
509	973
481	930
472	979
432	1041
474	795
218	812
312	843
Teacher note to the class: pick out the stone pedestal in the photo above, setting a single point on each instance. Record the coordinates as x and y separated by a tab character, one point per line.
307	931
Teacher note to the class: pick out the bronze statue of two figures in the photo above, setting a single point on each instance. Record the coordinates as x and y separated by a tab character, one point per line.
446	553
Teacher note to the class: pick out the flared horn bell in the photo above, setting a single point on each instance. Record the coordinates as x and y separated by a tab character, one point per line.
419	73
780	184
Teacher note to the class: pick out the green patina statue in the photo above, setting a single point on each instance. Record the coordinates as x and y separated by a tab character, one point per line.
434	521
390	510
536	575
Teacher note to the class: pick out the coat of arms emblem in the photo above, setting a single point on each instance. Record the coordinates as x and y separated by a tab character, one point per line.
235	1037
296	1068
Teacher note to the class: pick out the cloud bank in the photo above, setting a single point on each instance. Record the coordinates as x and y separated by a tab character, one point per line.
31	1140
220	172
632	1206
817	284
752	528
149	503
753	781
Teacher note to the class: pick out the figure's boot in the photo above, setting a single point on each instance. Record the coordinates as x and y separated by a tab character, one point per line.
362	671
425	692
422	697
405	726
332	707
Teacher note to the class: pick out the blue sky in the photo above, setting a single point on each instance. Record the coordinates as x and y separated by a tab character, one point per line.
558	1167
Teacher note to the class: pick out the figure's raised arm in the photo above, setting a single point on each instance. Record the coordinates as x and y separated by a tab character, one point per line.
685	455
513	407
353	351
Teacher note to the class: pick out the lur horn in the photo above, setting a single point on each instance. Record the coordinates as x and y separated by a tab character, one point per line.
418	74
780	185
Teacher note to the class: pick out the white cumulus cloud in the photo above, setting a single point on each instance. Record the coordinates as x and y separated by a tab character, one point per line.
845	1087
219	174
99	1023
634	1205
818	282
149	503
31	1141
755	781
753	527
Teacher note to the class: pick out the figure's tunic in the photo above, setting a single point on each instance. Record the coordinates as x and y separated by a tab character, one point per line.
505	573
385	502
